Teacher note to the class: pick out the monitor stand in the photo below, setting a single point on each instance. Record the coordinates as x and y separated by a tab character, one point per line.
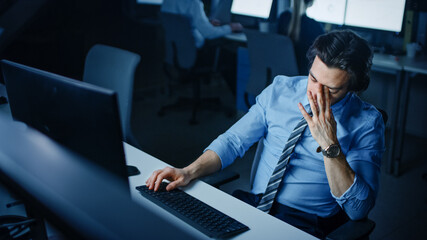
3	99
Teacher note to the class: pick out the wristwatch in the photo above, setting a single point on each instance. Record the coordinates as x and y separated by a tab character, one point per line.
332	151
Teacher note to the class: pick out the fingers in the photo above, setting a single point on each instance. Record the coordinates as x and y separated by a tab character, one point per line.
304	113
159	180
313	105
171	186
152	179
328	112
320	100
167	173
327	97
153	183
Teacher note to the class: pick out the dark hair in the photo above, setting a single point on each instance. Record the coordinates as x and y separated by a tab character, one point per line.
347	51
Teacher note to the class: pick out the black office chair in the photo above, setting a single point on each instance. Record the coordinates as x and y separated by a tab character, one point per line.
267	62
351	230
181	54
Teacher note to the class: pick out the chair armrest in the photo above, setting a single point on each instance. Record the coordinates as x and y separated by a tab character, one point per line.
353	230
220	178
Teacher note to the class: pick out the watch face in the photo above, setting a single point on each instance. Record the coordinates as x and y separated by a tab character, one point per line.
333	151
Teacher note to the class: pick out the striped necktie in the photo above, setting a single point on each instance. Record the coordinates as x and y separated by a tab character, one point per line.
275	179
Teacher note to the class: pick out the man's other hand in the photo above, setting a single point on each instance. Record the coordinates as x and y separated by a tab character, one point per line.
215	22
236	27
177	177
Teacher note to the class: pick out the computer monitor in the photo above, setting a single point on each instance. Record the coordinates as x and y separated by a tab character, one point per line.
80	199
329	11
252	8
153	2
78	115
384	15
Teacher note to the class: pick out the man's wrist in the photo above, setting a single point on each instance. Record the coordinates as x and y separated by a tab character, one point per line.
332	151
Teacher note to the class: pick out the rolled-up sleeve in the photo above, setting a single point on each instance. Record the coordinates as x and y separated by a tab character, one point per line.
358	200
244	133
365	160
202	24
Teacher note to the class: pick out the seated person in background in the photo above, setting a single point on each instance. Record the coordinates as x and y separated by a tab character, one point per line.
301	29
333	165
203	28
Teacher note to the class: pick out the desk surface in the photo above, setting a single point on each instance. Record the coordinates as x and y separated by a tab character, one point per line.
238	37
401	63
262	225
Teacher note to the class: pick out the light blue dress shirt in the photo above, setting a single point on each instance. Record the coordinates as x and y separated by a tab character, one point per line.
360	131
194	9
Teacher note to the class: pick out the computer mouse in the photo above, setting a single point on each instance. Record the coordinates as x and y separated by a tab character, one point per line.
132	170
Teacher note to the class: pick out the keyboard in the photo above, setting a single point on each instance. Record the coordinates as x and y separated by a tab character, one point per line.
198	214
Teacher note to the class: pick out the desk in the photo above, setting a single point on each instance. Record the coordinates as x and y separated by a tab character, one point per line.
262	225
237	37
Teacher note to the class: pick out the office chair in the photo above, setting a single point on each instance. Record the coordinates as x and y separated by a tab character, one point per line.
181	54
114	68
269	55
351	230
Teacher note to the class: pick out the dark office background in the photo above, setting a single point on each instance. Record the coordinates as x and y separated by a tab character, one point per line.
59	36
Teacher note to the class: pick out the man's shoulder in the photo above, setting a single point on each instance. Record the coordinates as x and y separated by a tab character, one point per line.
368	112
282	81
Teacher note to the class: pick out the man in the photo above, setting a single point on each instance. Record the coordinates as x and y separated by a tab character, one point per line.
319	190
202	27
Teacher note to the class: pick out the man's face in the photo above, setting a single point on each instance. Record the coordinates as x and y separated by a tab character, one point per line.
335	79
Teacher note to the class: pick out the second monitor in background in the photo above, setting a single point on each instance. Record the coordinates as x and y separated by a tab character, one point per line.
386	15
252	8
250	12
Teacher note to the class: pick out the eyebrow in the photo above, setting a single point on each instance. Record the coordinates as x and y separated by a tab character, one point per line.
333	88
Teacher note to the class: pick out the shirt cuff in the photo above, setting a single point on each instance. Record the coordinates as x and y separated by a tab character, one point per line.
228	28
221	150
357	190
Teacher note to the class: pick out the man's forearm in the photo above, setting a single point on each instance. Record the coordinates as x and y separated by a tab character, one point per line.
339	173
208	163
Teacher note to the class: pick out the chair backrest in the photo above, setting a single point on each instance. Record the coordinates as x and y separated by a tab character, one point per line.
269	55
114	69
180	46
260	148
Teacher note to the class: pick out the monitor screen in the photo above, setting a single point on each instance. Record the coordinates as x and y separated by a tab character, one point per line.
154	2
78	115
376	14
252	8
329	11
